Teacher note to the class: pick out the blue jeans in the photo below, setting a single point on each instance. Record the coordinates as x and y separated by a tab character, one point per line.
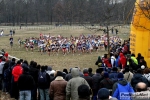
44	94
25	95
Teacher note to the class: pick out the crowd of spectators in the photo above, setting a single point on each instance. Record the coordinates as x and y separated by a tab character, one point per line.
119	76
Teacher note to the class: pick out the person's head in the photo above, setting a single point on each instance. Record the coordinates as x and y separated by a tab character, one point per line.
75	72
85	71
99	70
140	87
13	59
133	55
126	69
18	62
65	70
21	60
90	70
43	68
25	70
83	91
34	64
3	59
106	75
103	94
139	55
59	73
139	71
120	76
31	63
26	62
114	69
146	71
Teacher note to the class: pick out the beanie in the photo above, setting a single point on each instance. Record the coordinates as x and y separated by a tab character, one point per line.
103	93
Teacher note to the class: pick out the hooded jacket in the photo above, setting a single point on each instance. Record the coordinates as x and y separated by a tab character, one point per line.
121	86
73	84
122	61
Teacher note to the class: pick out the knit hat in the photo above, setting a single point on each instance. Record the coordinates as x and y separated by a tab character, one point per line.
103	93
106	75
120	76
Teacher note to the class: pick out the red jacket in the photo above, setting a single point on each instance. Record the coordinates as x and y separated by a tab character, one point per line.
122	60
107	63
16	72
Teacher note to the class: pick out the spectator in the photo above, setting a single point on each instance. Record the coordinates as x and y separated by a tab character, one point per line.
96	79
90	72
99	61
33	71
112	59
128	75
146	74
1	71
84	92
68	76
43	84
6	77
16	72
106	82
87	77
25	84
65	72
139	57
57	87
134	59
122	86
104	94
138	77
141	88
122	61
114	74
142	62
73	84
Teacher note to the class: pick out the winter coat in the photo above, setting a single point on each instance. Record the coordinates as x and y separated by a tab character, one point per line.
57	89
121	86
73	84
25	82
128	76
34	73
47	84
122	61
106	83
96	79
16	72
88	79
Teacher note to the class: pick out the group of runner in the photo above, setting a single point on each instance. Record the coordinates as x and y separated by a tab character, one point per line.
81	44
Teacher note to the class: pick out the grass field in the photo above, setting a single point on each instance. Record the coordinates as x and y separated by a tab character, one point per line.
57	62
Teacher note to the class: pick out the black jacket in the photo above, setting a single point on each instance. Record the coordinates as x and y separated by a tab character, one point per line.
34	73
96	79
88	79
47	84
25	82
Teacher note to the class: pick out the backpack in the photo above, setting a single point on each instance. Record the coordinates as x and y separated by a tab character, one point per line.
42	80
7	74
